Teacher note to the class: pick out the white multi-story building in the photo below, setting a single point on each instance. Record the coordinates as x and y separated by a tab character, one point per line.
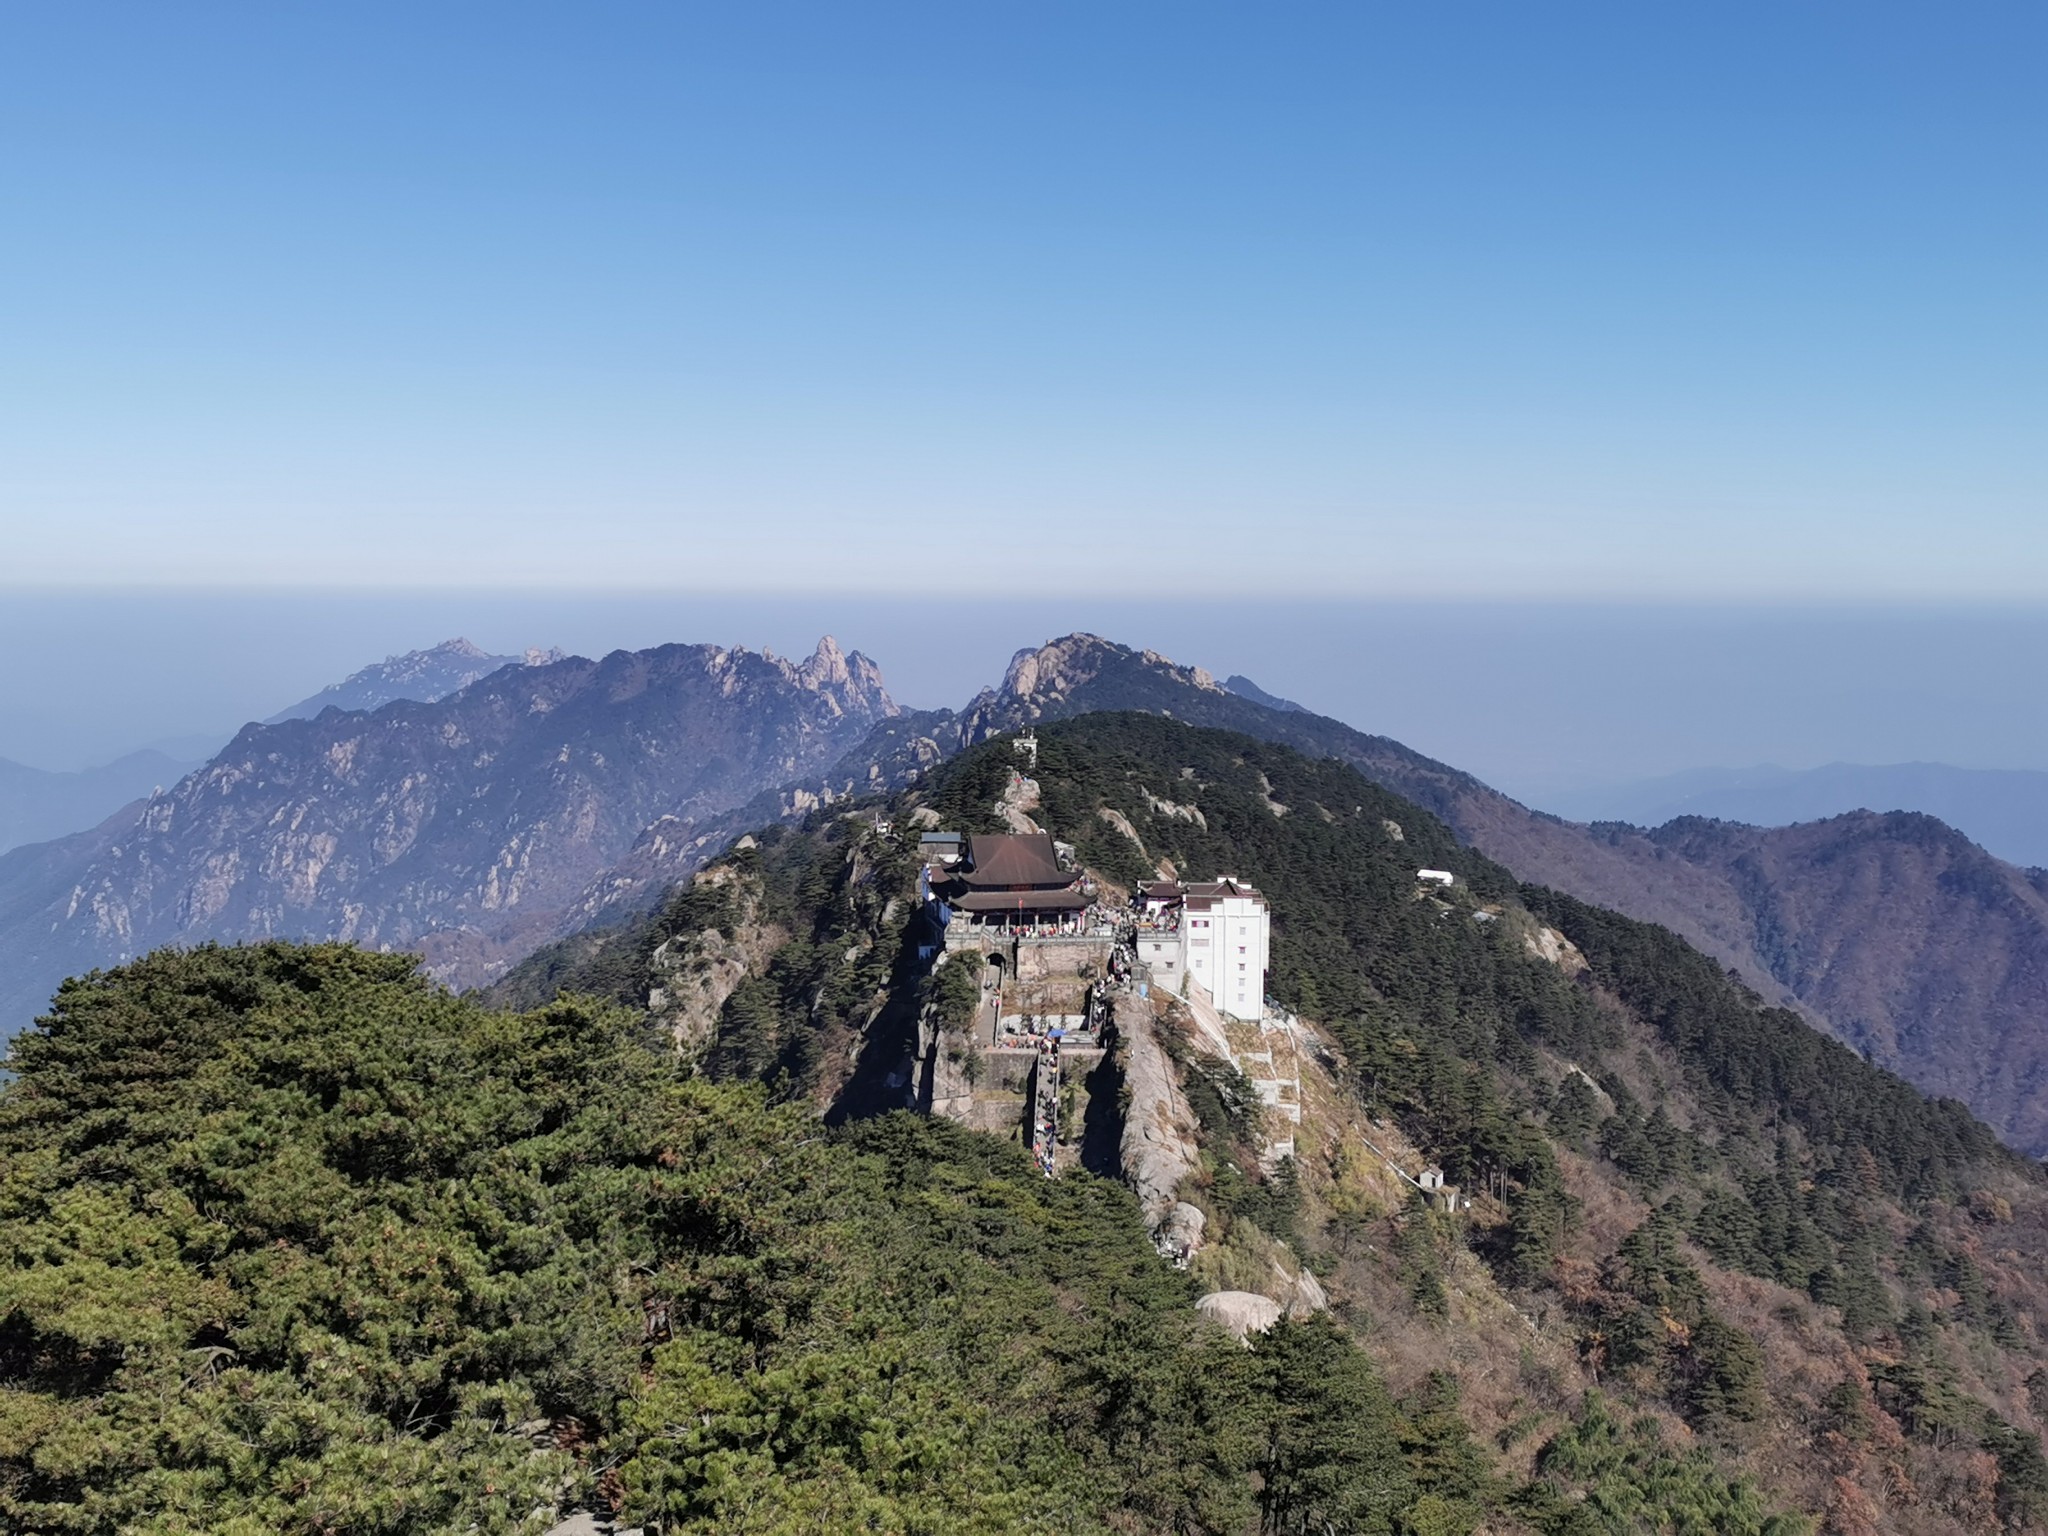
1225	934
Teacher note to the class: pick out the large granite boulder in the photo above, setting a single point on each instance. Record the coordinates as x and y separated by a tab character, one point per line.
1242	1312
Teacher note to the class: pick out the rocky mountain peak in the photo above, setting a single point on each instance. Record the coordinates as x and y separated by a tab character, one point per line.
1056	667
827	663
849	678
1054	670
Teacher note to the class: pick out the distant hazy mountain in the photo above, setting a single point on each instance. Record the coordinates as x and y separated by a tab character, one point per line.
1906	939
468	828
36	806
425	676
2005	810
1244	687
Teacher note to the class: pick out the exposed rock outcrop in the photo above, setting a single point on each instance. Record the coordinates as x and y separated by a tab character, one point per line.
1300	1293
694	974
1122	823
1549	944
1242	1312
1018	799
1161	1136
1179	1234
1041	681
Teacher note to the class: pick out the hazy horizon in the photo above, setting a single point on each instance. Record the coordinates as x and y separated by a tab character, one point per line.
1538	699
1588	394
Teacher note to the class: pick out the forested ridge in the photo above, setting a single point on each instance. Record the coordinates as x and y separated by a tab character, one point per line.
1654	1136
304	1242
298	1242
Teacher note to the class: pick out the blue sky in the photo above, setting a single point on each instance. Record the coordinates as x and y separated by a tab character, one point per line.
1487	300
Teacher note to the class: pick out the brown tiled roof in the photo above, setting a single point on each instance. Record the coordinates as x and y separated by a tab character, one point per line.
1013	859
1209	890
1021	901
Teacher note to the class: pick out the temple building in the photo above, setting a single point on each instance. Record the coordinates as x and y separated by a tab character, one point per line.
1013	880
1216	932
1225	930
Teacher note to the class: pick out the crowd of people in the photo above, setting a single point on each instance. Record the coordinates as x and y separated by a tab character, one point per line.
1121	974
1045	1104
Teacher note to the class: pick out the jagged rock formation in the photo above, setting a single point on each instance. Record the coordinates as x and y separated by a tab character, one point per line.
1073	675
1304	1292
472	828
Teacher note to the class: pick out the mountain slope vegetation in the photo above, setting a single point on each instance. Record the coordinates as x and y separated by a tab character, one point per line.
1920	949
2002	810
1690	1208
1896	935
301	1243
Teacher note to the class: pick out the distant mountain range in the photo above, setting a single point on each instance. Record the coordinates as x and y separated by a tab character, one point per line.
2006	810
1244	687
36	805
544	798
466	827
422	676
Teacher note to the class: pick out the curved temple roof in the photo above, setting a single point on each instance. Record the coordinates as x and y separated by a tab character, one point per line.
1012	860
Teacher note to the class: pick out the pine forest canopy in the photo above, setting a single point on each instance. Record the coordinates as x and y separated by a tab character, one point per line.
302	1243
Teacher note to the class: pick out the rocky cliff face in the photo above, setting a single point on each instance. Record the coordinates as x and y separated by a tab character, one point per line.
1084	674
1074	675
694	971
470	828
